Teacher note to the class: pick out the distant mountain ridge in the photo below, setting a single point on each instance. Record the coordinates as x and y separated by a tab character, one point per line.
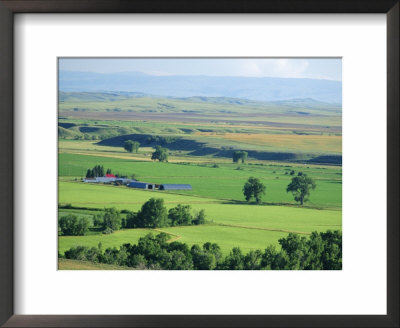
268	89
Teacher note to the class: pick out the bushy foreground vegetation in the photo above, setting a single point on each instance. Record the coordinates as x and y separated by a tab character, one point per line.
319	251
71	225
153	214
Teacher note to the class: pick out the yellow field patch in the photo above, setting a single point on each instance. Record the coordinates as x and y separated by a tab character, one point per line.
312	143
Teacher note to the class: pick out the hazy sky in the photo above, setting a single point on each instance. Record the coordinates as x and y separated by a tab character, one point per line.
330	69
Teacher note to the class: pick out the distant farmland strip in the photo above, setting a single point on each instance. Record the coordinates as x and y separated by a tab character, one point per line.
193	117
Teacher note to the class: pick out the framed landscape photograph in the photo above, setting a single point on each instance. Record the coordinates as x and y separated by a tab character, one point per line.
233	169
200	163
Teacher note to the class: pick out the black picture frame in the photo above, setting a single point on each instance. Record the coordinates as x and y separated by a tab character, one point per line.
10	7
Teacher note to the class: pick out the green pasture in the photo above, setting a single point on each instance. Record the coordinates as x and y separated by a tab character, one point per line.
115	239
82	194
291	218
226	237
225	182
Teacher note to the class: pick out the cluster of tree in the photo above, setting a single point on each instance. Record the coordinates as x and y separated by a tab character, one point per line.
109	221
154	214
71	225
319	251
300	187
253	188
131	146
239	155
96	171
160	154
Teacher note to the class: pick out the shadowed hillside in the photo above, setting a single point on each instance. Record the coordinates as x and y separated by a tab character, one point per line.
196	148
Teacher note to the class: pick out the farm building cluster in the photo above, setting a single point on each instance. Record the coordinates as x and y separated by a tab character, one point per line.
132	183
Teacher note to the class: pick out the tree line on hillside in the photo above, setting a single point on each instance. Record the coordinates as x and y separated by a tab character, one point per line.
300	187
153	214
318	251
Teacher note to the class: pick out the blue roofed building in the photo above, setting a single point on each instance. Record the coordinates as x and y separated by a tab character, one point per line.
141	185
175	187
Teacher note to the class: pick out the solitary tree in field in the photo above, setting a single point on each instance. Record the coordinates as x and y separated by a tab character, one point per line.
199	218
131	146
253	188
300	188
160	154
111	219
239	155
153	214
180	215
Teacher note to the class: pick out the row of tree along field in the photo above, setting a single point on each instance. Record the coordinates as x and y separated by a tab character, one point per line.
319	251
153	214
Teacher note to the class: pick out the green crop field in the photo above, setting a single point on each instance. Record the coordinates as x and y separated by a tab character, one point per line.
226	237
115	239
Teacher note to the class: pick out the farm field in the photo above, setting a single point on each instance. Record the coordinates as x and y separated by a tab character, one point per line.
115	239
246	239
95	106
